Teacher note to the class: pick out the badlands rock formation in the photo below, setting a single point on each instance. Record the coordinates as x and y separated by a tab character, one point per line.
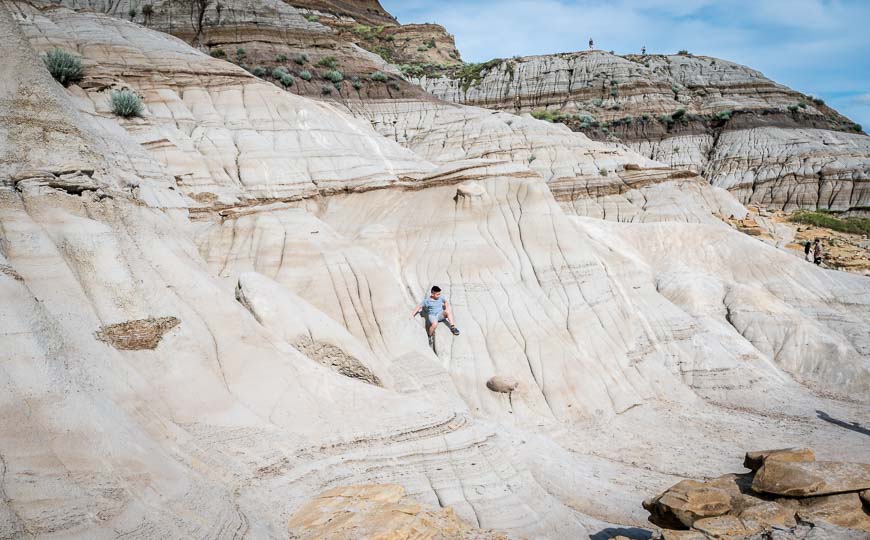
204	314
764	142
788	494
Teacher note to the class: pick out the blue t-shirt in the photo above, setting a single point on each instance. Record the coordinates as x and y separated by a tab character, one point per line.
433	306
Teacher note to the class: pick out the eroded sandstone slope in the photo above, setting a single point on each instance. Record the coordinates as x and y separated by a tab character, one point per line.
290	238
766	143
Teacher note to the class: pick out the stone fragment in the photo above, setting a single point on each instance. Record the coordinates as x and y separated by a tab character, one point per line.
503	385
865	497
754	460
844	510
796	479
670	534
686	502
727	526
768	514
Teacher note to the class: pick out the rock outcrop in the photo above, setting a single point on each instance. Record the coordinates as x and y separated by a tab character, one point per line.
727	507
292	237
766	143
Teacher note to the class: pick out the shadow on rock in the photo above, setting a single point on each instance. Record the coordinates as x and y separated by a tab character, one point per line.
852	426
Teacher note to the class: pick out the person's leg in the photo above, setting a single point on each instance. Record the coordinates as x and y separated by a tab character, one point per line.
447	315
432	325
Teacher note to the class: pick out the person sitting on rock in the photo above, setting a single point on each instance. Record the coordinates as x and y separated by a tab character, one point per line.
817	252
435	309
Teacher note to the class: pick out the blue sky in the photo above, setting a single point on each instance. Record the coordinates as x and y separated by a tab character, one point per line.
819	47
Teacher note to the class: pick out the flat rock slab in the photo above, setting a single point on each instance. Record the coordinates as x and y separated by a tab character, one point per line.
844	510
796	479
754	460
686	502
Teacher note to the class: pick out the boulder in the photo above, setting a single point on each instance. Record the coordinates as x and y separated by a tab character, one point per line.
754	460
844	510
796	479
687	501
503	385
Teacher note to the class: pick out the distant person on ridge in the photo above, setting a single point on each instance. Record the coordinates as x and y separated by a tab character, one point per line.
643	50
807	246
591	44
817	252
435	309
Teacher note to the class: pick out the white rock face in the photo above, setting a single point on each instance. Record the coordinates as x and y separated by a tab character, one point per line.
642	351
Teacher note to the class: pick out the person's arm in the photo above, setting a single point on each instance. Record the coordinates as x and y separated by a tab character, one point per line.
416	311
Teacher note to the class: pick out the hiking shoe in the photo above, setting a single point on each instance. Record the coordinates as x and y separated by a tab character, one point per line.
454	330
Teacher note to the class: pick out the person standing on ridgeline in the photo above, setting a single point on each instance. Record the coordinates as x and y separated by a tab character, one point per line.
817	252
435	309
591	44
807	247
643	50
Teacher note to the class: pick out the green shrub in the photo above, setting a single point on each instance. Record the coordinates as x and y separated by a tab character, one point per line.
356	85
802	105
334	76
684	52
614	92
328	62
64	67
545	115
377	76
597	102
852	225
431	43
301	59
857	128
125	103
394	86
679	114
286	79
132	13
259	71
422	49
241	53
723	116
278	72
326	90
147	11
281	58
312	18
218	53
818	101
794	108
305	75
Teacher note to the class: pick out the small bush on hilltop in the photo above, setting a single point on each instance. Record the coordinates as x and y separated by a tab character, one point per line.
851	225
64	67
684	52
126	103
